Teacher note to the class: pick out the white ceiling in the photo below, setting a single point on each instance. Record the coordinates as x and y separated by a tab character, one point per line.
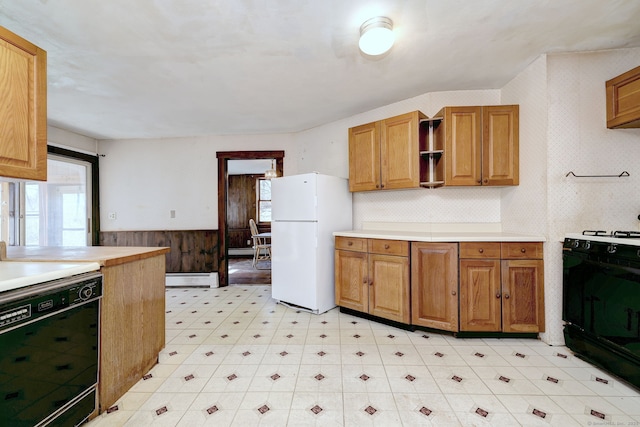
167	68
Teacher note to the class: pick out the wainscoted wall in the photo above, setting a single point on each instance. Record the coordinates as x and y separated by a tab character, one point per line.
192	251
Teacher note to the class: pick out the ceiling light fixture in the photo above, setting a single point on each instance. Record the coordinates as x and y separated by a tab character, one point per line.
376	35
271	173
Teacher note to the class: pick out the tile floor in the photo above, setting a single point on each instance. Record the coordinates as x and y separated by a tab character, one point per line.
236	358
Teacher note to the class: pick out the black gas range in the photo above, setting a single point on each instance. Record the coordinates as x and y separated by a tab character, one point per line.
601	299
615	247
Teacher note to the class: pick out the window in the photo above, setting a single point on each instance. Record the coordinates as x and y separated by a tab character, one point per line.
264	200
8	203
57	212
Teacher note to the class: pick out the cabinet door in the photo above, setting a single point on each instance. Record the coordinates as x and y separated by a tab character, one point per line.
522	296
351	280
364	157
480	296
389	287
500	148
463	133
434	285
623	100
399	151
23	108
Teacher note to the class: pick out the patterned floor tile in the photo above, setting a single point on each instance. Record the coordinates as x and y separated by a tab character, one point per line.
234	357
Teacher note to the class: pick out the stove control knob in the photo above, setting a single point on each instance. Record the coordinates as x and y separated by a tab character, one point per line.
612	249
85	293
586	244
576	243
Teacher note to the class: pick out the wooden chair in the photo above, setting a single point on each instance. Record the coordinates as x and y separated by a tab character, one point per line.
261	245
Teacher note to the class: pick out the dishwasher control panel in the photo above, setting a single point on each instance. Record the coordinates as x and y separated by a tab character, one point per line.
31	303
14	315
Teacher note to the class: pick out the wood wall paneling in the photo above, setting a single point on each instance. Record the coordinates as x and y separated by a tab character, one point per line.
192	251
241	206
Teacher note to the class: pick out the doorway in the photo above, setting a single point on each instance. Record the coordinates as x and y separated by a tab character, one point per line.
224	158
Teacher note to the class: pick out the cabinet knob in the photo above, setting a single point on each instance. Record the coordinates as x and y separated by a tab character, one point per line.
453	293
498	295
486	181
350	244
365	280
386	246
481	250
523	250
506	296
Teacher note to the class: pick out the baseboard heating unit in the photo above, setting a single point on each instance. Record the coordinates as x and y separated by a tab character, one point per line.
192	280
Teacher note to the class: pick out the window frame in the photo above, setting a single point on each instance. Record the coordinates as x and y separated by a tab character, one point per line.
260	199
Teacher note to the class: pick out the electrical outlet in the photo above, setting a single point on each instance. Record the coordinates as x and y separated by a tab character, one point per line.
113	215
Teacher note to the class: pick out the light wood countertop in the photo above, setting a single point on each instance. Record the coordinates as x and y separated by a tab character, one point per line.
433	236
104	255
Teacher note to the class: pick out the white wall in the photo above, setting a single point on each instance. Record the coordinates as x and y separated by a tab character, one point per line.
524	208
71	140
141	181
578	140
325	149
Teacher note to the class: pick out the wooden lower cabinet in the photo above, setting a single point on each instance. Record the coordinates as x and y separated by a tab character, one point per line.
434	285
499	290
523	295
132	325
480	295
352	285
372	276
459	287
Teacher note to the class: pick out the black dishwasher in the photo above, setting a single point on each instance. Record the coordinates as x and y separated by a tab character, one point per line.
49	339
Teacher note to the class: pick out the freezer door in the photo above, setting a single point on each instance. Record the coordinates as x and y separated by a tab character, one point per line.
294	263
293	198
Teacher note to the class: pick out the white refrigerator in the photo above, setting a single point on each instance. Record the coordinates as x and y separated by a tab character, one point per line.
305	211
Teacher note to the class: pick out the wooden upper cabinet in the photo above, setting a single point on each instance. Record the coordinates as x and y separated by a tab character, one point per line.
23	108
364	157
481	145
384	155
462	144
399	151
500	145
623	100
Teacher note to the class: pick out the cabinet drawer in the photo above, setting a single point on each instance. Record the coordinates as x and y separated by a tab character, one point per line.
389	247
524	250
351	244
480	250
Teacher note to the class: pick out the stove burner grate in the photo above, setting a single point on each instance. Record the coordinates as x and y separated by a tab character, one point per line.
618	234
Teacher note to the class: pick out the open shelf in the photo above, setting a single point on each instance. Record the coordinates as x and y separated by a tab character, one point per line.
431	153
431	184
